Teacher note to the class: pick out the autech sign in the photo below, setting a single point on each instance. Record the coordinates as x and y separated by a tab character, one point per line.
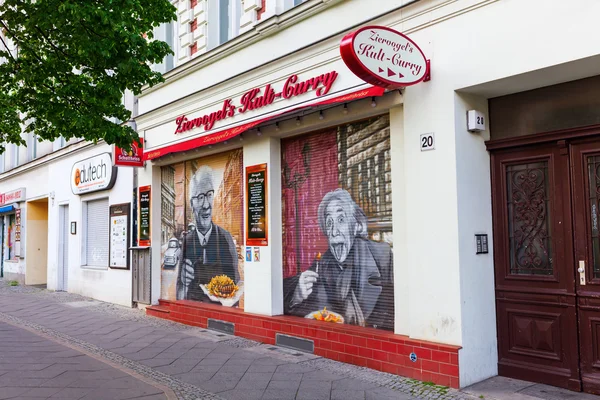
93	174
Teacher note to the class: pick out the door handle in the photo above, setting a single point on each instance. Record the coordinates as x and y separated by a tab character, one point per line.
581	271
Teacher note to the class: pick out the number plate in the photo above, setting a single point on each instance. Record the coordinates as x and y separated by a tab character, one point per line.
427	141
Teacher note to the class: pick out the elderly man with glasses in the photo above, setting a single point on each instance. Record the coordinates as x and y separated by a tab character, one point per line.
208	250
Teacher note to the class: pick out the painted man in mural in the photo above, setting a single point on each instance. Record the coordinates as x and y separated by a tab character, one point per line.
208	250
354	277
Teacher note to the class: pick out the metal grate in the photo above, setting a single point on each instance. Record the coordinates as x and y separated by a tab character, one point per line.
142	275
529	217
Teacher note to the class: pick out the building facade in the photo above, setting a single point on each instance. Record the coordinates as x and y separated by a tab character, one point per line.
450	265
281	188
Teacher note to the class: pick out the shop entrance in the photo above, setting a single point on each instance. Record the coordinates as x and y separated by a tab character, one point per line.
36	252
546	202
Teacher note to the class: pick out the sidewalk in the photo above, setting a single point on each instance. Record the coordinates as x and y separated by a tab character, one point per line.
193	363
35	367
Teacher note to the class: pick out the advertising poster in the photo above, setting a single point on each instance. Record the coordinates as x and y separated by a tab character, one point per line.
119	236
337	225
144	219
202	230
256	192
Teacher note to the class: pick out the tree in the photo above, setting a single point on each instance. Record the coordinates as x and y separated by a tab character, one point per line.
71	63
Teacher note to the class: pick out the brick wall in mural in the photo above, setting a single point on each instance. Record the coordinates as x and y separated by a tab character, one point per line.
202	228
337	221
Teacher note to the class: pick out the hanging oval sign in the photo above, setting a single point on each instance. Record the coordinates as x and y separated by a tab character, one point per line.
383	57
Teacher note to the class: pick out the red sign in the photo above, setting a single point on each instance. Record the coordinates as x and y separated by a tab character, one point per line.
258	98
14	196
226	134
131	158
384	57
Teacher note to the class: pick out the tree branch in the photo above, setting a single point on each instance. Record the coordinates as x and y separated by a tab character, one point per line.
5	44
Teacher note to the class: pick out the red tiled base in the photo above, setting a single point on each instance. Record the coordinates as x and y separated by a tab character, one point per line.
367	347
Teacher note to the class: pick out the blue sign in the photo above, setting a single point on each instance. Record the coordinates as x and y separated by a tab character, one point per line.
249	254
413	357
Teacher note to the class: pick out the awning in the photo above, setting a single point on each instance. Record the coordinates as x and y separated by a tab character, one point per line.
226	134
6	209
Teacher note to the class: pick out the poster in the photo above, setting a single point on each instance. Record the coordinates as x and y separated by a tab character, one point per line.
256	214
144	210
202	208
119	236
337	224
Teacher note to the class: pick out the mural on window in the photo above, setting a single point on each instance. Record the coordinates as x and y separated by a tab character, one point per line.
202	228
337	225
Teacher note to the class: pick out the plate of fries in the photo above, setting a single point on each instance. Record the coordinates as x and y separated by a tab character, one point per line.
326	316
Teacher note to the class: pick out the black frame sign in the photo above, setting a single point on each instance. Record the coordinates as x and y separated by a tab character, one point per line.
256	206
144	216
120	235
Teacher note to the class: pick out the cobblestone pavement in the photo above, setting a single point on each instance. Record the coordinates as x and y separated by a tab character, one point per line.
196	363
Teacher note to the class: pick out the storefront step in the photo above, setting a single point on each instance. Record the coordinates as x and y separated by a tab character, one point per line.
367	347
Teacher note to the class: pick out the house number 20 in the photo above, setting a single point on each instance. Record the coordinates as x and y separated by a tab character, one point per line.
427	141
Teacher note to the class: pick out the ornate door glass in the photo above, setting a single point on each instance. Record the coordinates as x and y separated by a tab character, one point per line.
529	222
593	165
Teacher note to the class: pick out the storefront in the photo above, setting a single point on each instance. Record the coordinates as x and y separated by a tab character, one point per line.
56	227
475	230
10	234
273	203
89	246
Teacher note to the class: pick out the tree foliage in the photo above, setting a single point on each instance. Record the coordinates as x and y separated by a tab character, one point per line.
71	62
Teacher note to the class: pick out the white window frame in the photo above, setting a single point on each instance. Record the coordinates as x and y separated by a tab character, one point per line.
84	230
31	147
166	32
213	38
58	144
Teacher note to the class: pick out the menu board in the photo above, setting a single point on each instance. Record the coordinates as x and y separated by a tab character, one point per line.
18	233
144	218
256	195
119	236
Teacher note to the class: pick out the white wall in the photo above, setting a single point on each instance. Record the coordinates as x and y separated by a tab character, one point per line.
263	280
111	285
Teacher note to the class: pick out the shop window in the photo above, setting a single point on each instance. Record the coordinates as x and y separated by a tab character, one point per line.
96	233
337	225
202	230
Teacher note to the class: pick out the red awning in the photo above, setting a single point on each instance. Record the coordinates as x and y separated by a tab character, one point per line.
226	134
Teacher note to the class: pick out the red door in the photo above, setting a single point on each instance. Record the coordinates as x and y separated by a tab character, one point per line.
546	202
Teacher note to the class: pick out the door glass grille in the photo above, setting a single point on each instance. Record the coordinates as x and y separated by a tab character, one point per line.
593	165
529	215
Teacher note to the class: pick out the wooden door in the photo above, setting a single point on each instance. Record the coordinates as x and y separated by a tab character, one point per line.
534	266
585	167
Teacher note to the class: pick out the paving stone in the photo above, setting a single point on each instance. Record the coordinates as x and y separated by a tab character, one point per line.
11	392
247	394
279	394
313	394
341	394
284	385
42	392
352	384
282	376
